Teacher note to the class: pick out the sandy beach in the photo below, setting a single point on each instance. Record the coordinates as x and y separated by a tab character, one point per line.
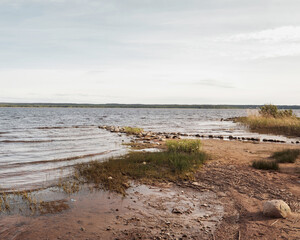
224	202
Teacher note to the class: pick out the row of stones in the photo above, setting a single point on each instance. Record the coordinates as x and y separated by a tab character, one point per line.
161	136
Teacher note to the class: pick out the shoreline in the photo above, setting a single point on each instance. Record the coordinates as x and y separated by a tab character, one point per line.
239	188
158	106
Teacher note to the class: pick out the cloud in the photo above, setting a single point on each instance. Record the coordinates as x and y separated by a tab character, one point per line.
148	51
269	43
275	35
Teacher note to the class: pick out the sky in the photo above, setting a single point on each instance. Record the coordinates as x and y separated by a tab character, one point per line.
150	51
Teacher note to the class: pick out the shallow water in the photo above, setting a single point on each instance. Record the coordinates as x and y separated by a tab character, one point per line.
37	145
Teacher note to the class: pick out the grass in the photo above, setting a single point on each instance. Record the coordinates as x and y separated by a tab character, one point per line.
265	165
177	163
286	156
288	126
134	131
185	145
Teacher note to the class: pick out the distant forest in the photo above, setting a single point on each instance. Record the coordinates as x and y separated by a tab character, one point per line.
116	105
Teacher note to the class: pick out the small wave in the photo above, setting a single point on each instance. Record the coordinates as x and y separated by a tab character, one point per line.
62	127
31	172
56	160
25	141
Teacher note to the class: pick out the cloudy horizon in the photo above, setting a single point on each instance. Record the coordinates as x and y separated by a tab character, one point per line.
150	51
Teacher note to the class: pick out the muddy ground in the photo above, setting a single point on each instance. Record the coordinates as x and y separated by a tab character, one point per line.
223	202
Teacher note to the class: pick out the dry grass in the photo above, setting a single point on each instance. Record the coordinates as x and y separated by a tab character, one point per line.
26	203
69	185
4	203
288	126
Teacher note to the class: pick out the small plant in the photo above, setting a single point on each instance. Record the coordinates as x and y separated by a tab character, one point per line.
131	130
286	156
4	203
184	145
265	165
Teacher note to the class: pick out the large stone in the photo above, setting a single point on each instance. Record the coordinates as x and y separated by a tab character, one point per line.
276	209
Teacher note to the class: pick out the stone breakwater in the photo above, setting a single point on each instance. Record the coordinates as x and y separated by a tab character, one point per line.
157	137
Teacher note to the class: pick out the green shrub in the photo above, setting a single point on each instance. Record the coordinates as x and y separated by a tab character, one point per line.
286	156
269	110
184	145
265	165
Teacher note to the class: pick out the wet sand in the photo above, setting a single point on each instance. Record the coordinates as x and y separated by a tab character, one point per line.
223	202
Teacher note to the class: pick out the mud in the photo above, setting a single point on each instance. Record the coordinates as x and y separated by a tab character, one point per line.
166	211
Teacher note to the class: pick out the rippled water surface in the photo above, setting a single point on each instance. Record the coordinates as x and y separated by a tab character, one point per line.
38	144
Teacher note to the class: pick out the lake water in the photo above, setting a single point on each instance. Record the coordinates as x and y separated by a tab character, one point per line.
38	145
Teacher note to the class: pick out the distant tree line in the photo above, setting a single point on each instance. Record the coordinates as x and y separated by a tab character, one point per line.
116	105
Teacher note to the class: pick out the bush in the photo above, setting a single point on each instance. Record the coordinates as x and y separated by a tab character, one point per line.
265	165
286	156
269	110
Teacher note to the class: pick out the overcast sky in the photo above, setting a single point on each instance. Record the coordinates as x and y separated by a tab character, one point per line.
150	51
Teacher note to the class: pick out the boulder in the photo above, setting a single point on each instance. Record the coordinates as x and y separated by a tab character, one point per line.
276	209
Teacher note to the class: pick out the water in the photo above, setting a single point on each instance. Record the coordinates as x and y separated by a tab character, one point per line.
38	145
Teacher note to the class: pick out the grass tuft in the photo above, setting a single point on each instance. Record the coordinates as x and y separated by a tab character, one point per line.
265	165
134	131
184	145
286	156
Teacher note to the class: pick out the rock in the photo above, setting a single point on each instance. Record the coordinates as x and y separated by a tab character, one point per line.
176	211
196	184
276	208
